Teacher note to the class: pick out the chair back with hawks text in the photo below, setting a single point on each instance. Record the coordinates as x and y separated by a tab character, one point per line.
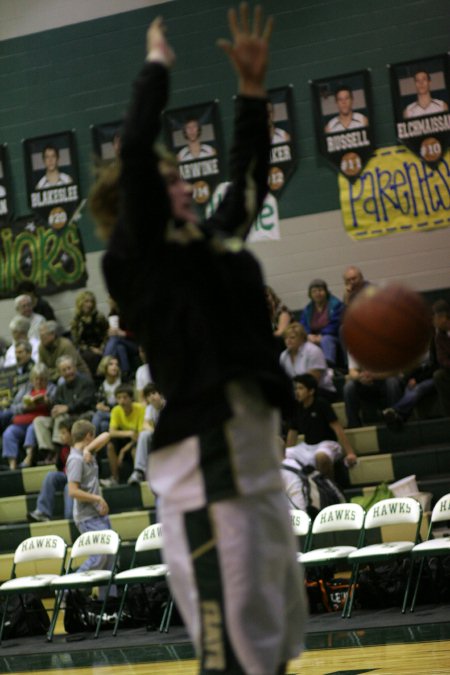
95	542
46	556
397	511
150	539
301	526
432	547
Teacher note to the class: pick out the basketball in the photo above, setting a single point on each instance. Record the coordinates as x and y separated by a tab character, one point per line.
387	329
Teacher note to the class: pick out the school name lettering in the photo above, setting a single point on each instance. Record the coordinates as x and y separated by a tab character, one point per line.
347	141
413	189
444	506
280	153
207	167
95	538
152	533
61	195
422	127
37	543
391	509
43	247
3	207
337	514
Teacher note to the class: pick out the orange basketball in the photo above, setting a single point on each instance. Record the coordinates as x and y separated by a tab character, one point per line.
387	329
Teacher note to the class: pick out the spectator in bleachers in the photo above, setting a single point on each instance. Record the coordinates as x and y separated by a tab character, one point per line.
55	481
54	346
24	364
155	403
354	283
75	395
24	307
325	440
35	400
109	369
416	384
321	319
142	377
280	315
121	343
40	305
127	419
19	327
380	390
88	330
301	356
441	321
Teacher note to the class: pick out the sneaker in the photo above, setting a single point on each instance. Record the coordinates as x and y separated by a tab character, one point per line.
108	482
37	516
136	477
393	419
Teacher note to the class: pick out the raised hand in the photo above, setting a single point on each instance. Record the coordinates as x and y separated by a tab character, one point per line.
249	50
158	49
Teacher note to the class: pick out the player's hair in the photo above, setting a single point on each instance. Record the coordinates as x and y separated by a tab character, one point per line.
307	380
421	70
343	87
124	389
296	328
80	429
192	119
50	147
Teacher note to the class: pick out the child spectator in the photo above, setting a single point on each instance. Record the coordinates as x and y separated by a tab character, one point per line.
155	403
109	369
127	419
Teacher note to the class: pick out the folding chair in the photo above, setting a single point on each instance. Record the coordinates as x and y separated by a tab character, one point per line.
97	542
150	539
432	547
387	512
43	553
301	525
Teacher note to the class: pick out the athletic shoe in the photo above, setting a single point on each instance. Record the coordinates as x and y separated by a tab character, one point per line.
136	477
37	516
393	419
108	482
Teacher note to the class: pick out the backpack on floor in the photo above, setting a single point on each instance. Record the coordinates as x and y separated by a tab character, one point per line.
318	490
25	616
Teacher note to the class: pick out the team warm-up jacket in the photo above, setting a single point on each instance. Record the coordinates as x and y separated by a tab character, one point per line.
193	294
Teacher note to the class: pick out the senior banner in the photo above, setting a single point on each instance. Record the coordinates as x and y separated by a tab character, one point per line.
397	192
5	187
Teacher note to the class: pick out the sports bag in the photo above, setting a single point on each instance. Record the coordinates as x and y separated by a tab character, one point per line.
318	490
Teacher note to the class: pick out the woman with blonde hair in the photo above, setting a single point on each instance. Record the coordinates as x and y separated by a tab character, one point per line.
89	329
109	370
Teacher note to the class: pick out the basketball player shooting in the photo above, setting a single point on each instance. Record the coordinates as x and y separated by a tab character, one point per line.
195	298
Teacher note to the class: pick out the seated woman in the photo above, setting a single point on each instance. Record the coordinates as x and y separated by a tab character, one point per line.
280	316
89	329
109	369
36	401
321	319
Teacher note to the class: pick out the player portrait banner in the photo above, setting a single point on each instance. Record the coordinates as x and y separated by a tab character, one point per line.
106	140
267	224
5	187
283	158
343	119
396	193
193	135
51	170
420	95
53	258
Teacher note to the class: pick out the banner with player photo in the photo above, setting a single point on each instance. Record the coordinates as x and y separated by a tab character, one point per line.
267	224
51	170
5	187
420	95
343	119
283	158
193	134
52	257
106	140
396	193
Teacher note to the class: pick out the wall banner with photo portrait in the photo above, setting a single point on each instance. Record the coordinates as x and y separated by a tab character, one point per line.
5	187
31	250
420	95
106	140
193	134
396	193
283	158
51	170
343	119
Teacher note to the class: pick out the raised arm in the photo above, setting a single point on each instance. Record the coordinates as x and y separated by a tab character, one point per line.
248	52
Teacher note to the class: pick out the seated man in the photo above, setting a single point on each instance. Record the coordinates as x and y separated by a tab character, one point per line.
321	319
379	389
301	356
155	403
316	420
19	327
441	321
75	395
127	420
24	364
53	347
